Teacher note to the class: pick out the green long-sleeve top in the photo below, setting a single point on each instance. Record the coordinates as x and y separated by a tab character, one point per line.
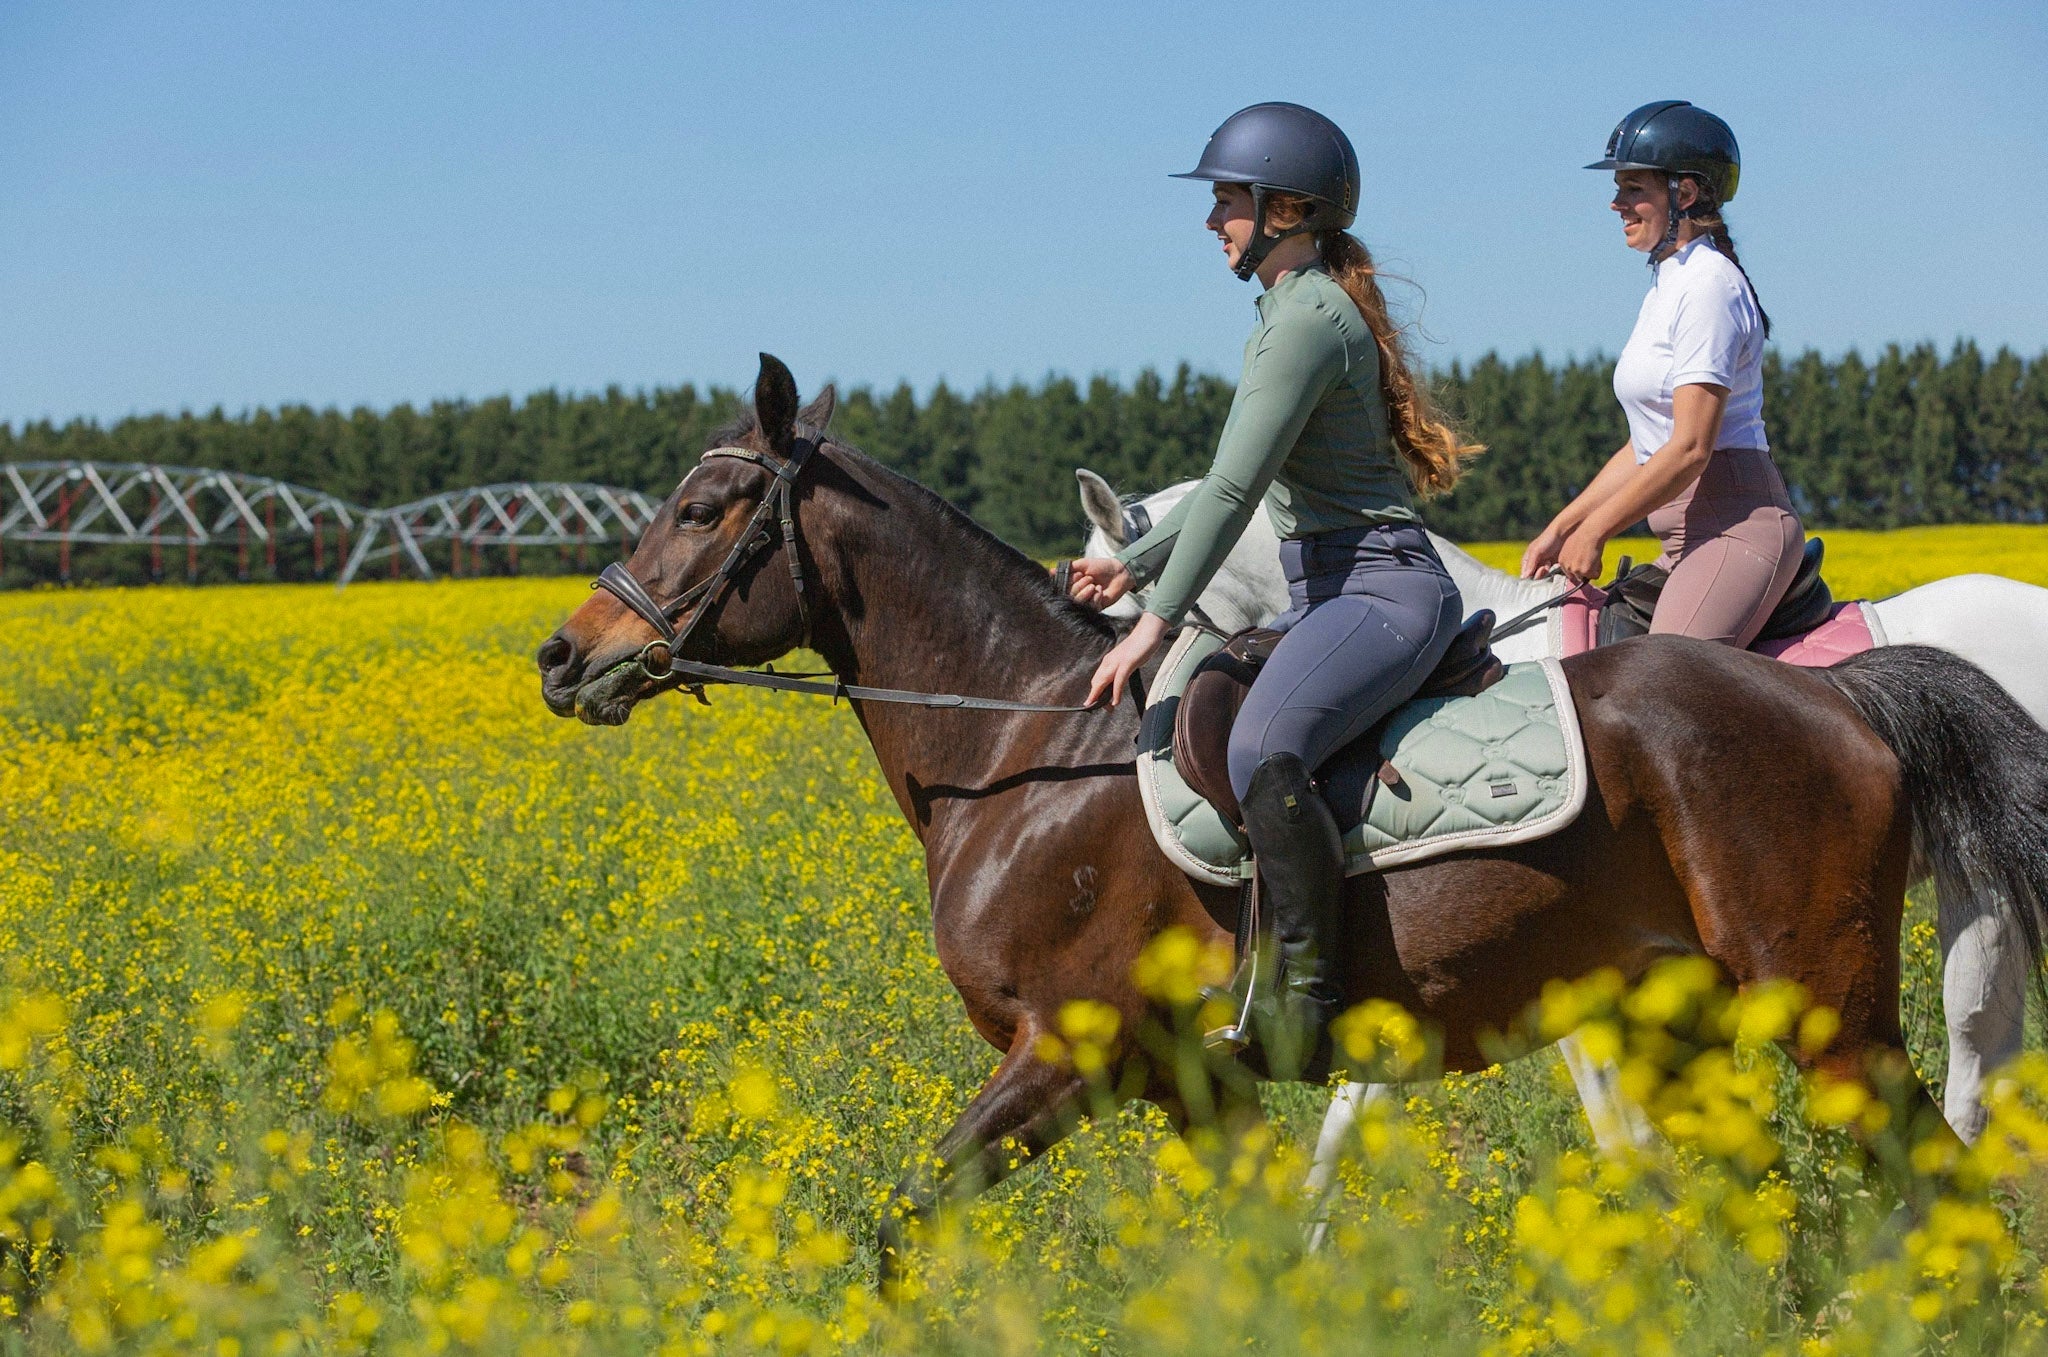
1307	432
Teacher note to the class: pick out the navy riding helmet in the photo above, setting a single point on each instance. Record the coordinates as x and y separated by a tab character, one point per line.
1289	149
1678	140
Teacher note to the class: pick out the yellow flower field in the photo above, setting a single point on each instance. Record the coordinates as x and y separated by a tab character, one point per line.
352	1002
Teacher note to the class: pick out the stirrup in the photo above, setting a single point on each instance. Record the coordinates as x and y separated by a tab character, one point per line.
1230	1039
1235	1035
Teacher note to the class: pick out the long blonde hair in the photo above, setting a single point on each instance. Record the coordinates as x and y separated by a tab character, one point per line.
1432	452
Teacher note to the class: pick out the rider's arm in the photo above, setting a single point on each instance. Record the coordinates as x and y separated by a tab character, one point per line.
1711	324
1695	422
1297	357
1146	557
1612	476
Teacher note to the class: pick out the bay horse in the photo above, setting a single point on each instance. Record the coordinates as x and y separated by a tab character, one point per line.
1998	624
1739	809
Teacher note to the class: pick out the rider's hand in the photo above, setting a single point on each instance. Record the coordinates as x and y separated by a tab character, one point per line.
1098	581
1541	557
1126	658
1580	559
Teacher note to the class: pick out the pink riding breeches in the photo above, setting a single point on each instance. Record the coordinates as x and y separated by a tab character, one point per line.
1732	544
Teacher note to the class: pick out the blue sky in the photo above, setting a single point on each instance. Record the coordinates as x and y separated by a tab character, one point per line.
366	203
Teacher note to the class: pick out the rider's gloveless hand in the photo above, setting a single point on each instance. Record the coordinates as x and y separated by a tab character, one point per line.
1126	657
1098	581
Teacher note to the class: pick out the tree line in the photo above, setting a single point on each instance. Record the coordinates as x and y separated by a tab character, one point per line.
1906	438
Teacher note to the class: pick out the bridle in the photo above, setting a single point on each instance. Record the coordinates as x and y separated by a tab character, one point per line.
780	502
661	659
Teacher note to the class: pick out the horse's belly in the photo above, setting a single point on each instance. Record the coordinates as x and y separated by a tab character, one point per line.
1467	943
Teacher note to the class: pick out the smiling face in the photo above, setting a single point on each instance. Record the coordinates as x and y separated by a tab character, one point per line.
1230	220
1643	203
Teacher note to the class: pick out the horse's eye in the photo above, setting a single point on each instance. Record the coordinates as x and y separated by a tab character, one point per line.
698	514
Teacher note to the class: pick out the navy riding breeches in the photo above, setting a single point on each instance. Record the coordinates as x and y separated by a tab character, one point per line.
1373	611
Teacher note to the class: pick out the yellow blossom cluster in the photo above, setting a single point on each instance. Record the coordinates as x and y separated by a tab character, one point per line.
349	1002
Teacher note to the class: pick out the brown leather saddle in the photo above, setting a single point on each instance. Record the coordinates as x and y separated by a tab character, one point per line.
1632	599
1209	704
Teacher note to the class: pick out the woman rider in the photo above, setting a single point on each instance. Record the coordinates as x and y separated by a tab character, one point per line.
1327	419
1691	381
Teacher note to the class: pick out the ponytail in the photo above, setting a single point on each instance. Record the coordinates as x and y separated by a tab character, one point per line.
1431	451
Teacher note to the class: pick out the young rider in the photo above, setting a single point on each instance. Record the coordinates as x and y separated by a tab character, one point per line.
1691	382
1327	419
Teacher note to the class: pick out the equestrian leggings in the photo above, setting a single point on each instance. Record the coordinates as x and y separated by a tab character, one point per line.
1374	610
1732	544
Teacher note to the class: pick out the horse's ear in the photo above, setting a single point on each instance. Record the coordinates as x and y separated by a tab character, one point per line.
1101	505
775	403
818	414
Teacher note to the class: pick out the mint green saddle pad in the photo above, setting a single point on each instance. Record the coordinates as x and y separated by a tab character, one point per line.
1504	767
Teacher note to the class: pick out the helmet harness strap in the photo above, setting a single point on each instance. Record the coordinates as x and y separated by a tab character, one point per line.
1671	220
1262	243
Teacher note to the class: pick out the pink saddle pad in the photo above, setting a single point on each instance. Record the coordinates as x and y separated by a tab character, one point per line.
1845	633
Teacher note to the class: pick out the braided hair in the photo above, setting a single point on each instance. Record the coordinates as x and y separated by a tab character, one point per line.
1705	213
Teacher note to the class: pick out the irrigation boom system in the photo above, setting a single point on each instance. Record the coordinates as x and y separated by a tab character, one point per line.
151	506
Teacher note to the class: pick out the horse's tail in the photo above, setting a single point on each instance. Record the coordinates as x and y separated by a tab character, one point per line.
1975	767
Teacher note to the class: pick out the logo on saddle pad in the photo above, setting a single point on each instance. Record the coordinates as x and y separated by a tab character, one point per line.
1459	770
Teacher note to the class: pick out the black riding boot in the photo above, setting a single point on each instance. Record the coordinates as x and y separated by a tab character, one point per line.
1300	854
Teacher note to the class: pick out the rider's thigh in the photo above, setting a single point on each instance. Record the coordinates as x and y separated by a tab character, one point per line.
1725	586
1343	667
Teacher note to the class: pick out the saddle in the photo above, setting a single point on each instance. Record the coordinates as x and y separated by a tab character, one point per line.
1209	704
1632	599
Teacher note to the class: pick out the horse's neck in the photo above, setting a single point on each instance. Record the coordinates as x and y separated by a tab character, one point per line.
1482	586
928	608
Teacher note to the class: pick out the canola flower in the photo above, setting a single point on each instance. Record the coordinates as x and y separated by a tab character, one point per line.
352	1003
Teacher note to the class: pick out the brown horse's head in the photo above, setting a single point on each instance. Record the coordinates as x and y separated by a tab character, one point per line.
587	667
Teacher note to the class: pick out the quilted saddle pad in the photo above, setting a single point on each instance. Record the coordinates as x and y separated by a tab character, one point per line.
1502	767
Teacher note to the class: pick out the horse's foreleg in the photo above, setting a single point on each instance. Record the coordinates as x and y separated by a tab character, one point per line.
1026	1106
1983	996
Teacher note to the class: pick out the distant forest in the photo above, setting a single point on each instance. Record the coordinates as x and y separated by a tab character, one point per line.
1911	437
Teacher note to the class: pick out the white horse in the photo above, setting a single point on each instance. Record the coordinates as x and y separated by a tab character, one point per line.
2000	625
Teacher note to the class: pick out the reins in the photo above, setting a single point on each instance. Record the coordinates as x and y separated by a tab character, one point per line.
1525	617
694	675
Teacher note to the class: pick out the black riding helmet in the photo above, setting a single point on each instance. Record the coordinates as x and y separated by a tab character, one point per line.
1678	139
1287	148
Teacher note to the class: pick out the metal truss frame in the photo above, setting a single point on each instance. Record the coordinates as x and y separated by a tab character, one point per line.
147	504
143	503
511	514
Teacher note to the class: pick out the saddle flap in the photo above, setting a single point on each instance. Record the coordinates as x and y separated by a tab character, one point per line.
1208	708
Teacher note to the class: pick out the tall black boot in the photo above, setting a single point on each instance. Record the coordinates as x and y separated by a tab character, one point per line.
1300	854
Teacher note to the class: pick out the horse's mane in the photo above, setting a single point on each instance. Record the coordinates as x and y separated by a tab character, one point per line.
989	556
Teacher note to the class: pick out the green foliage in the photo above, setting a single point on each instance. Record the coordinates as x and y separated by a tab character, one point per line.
1911	438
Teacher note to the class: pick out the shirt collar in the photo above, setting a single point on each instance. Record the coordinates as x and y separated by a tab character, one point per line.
1288	280
1684	252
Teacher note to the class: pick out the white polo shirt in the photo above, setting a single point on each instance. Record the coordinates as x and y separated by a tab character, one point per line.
1700	324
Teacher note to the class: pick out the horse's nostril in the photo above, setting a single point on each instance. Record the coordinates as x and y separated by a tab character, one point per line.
554	652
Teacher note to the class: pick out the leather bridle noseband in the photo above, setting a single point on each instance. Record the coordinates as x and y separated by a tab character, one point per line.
779	502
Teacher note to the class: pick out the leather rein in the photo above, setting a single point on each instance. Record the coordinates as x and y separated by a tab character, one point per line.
660	659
